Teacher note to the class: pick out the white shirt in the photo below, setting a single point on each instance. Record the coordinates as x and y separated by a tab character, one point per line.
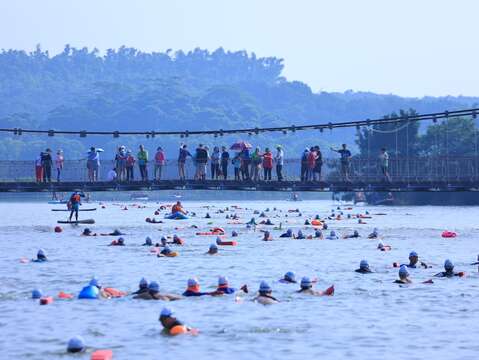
279	157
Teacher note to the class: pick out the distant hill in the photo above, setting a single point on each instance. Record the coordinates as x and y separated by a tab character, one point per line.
126	89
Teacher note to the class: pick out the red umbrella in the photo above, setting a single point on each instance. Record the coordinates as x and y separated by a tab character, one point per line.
240	145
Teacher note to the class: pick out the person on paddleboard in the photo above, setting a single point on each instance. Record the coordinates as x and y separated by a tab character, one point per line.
74	205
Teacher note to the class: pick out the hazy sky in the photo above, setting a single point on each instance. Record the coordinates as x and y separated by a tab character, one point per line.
405	47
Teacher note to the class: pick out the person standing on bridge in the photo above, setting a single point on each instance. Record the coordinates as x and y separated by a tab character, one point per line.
384	163
312	156
225	157
345	161
160	161
183	154
47	164
279	159
215	163
59	160
143	162
304	165
39	168
130	164
93	164
267	164
318	164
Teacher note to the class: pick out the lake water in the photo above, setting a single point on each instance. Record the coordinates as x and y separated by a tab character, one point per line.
369	317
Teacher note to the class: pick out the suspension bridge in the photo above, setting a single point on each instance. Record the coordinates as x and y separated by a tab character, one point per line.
406	173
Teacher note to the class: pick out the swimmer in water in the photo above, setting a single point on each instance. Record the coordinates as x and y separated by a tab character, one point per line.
414	261
332	235
363	267
264	296
119	242
166	252
193	289
300	235
288	278
76	345
223	286
374	234
267	236
103	293
41	256
306	287
115	232
153	293
318	234
354	235
88	232
148	241
449	270
287	234
403	276
169	322
383	247
142	287
177	240
213	250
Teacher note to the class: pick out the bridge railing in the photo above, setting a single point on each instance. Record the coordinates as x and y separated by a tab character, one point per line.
413	169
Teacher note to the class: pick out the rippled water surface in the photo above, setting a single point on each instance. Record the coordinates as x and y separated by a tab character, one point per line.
368	317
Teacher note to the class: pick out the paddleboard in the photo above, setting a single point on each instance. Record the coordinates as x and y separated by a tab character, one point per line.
92	209
86	221
58	202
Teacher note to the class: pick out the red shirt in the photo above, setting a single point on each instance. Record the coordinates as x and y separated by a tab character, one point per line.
268	160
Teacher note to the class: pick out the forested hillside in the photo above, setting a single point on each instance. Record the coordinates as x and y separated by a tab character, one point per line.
126	89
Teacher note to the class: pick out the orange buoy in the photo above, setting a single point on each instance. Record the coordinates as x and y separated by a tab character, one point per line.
102	355
58	229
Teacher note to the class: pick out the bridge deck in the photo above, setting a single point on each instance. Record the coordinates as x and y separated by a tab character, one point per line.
376	186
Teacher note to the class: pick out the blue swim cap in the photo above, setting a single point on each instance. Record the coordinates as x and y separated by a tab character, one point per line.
41	252
37	294
448	265
213	247
364	264
222	280
192	282
154	286
148	240
290	276
264	286
218	240
166	312
403	271
412	254
356	233
143	283
332	233
163	238
234	233
289	231
300	233
76	344
306	282
318	233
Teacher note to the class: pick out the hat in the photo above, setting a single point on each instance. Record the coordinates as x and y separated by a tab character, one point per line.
41	252
76	344
213	247
448	265
413	254
154	286
364	264
121	240
306	282
222	280
37	294
166	312
403	271
148	240
143	283
264	287
192	282
94	282
290	276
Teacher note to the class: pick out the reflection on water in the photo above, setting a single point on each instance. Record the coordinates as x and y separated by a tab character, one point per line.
369	316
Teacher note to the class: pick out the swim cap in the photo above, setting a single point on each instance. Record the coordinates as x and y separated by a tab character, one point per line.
94	282
76	344
163	238
289	231
306	283
218	240
143	283
86	231
154	286
234	233
222	280
166	250
332	233
148	240
166	312
37	294
448	265
41	252
318	233
300	233
364	264
403	271
380	245
412	254
290	276
356	233
264	287
213	247
192	282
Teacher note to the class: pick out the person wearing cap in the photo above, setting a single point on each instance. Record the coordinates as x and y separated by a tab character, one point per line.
449	270
279	159
153	293
213	250
267	236
300	235
88	232
354	235
363	267
172	325
41	256
94	282
166	252
119	242
148	241
264	296
76	344
414	261
177	240
374	234
193	289
142	287
382	247
306	287
318	234
93	164
288	278
223	286
287	234
332	235
37	294
403	276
